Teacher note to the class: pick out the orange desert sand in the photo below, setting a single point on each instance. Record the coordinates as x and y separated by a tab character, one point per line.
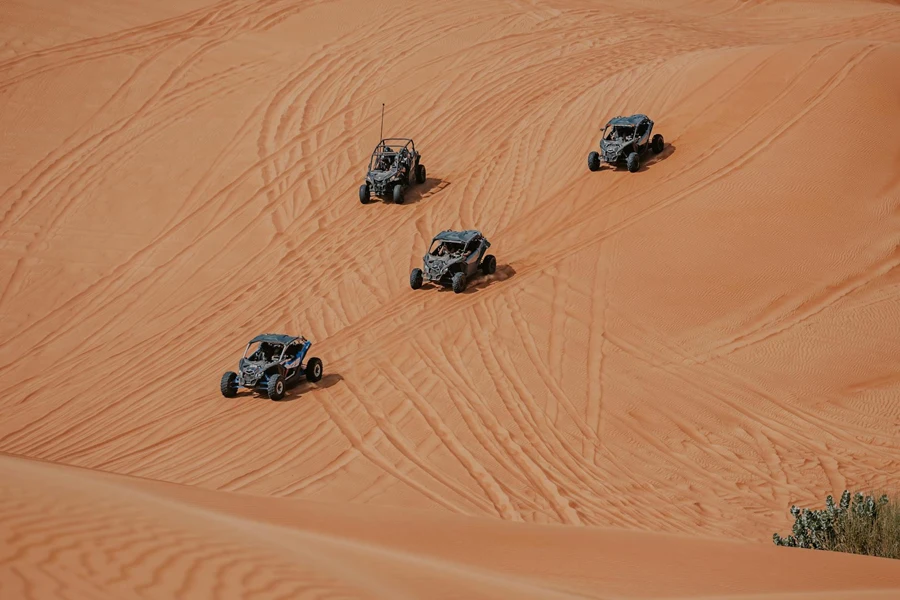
662	365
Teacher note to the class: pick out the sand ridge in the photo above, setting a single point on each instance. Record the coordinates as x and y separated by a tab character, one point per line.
110	536
685	350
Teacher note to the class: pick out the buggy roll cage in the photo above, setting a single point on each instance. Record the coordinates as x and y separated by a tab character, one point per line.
284	346
395	144
463	245
624	124
435	244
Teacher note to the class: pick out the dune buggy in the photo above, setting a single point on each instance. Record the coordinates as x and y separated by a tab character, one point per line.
393	165
271	362
454	257
626	140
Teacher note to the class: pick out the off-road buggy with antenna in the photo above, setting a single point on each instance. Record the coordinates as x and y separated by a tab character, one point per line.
393	166
626	140
270	364
453	258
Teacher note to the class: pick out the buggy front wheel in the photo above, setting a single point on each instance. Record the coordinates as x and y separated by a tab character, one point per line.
364	194
459	283
228	386
594	161
314	370
275	387
415	279
420	174
398	194
658	143
633	162
489	264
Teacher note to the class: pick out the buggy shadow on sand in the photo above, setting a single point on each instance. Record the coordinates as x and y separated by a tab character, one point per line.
393	166
432	186
502	273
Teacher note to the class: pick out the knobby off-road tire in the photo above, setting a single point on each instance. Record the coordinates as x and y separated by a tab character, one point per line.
398	194
416	278
314	370
658	143
488	264
420	174
364	194
634	162
459	283
275	387
228	385
594	161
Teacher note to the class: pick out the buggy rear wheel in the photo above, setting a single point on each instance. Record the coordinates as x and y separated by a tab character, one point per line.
420	174
364	193
398	194
658	143
314	370
459	283
228	386
489	264
594	161
275	387
633	162
415	279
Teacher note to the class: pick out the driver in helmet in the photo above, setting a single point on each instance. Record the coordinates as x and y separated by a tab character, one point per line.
384	161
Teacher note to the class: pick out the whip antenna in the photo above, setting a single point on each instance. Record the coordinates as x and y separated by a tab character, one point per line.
381	135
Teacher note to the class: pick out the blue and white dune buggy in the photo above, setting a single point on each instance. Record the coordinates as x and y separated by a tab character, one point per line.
270	363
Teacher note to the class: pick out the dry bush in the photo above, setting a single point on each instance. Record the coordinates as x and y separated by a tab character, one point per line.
859	524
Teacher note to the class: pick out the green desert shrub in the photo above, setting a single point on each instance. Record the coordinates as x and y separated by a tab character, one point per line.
859	524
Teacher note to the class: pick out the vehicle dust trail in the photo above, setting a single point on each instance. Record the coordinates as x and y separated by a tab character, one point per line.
689	349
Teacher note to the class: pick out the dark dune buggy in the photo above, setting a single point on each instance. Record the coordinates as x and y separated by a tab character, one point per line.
271	362
626	140
393	167
454	257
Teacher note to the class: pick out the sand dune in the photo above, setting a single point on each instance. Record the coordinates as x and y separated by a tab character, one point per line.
80	534
687	350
